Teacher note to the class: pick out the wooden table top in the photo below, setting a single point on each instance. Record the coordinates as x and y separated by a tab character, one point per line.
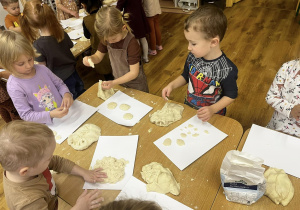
264	202
199	182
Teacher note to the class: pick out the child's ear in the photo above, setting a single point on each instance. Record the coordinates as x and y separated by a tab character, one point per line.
124	28
23	171
215	41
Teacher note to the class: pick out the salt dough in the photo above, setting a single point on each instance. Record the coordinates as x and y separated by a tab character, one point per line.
112	105
180	142
206	131
104	94
160	179
183	135
279	187
114	168
124	107
170	113
127	116
195	134
57	137
190	126
167	142
84	136
91	63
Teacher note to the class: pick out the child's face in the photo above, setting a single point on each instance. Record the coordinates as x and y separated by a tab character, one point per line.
23	66
114	39
13	8
198	45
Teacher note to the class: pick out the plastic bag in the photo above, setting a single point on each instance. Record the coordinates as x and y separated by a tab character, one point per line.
242	177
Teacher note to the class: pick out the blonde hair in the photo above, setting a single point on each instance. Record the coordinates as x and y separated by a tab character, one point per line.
12	46
109	22
37	15
23	144
131	204
209	20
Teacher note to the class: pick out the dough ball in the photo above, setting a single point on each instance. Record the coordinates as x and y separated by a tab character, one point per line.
170	113
180	142
183	135
124	107
160	179
84	136
104	94
112	105
167	142
279	187
114	168
127	116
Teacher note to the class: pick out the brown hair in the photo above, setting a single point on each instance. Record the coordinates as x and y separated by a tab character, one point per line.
131	204
23	144
209	20
37	15
8	2
12	46
109	22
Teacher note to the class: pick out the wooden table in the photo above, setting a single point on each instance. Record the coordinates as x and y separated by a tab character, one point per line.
264	202
199	182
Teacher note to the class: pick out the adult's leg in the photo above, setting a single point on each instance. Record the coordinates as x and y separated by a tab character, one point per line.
152	33
157	30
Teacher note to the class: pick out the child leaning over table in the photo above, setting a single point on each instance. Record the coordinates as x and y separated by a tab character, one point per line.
26	155
12	19
284	97
210	75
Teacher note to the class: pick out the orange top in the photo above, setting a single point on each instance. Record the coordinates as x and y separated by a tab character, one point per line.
11	20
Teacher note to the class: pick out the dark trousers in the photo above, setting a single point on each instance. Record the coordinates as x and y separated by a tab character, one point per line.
75	84
8	111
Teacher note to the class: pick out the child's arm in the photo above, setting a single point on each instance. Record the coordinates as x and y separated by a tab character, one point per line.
16	29
178	82
60	6
4	74
96	58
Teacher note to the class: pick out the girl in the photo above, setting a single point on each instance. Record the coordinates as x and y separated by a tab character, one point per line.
123	49
52	43
137	22
66	9
36	92
92	8
152	11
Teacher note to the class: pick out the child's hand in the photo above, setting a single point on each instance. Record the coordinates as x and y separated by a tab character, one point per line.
106	85
295	113
88	200
166	92
67	101
94	176
75	14
59	112
85	61
205	113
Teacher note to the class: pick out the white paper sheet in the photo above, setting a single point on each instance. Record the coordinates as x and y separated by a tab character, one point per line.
76	34
137	109
195	146
136	189
71	22
277	149
79	112
117	147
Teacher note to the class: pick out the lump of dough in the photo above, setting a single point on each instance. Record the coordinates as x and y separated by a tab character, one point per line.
128	116
167	142
160	179
183	135
84	136
180	142
170	113
124	107
104	94
112	105
114	168
279	187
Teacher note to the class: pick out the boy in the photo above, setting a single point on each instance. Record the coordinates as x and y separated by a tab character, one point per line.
210	75
26	155
12	19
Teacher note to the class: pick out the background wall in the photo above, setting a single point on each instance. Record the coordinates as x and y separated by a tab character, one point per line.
3	13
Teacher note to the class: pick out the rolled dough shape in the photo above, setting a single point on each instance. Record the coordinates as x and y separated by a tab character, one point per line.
170	113
91	63
124	107
180	142
104	94
167	142
84	136
114	168
183	135
159	179
279	187
112	105
127	116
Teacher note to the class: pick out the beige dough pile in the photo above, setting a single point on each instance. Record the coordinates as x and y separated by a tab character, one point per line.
84	136
279	186
160	179
170	113
114	168
104	94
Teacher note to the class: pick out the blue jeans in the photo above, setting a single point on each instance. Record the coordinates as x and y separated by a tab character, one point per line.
75	84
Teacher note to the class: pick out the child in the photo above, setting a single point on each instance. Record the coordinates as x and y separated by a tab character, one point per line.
284	97
26	155
122	47
131	204
137	22
210	75
92	8
66	9
152	11
52	43
13	9
36	92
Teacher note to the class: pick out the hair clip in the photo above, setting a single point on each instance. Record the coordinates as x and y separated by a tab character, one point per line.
42	4
22	14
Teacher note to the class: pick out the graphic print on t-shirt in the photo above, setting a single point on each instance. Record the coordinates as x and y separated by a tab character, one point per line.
45	98
50	181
